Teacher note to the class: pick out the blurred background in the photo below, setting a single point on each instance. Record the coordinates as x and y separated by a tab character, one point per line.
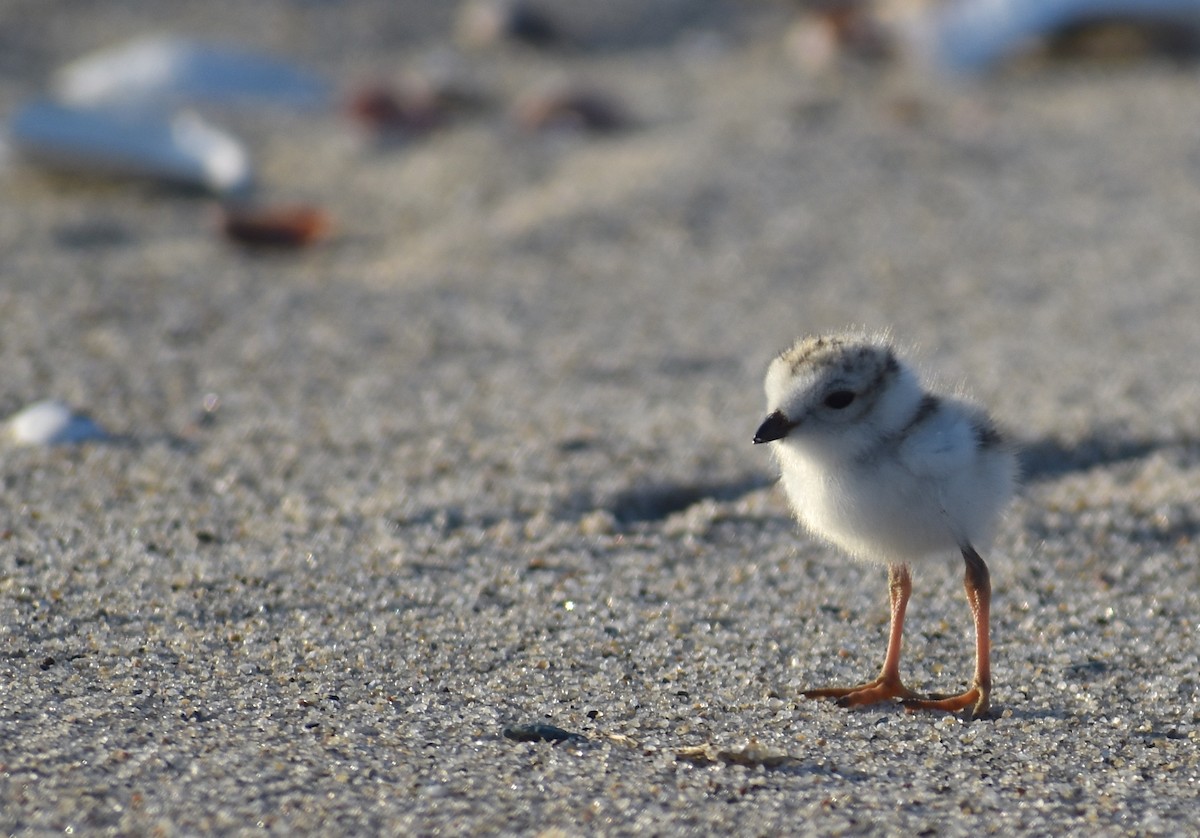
620	210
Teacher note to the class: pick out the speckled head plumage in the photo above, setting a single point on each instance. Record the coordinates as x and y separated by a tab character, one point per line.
840	391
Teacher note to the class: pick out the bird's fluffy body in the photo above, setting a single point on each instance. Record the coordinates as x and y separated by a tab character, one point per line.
895	474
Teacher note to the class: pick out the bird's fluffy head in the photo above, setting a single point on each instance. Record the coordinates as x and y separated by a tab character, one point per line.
842	389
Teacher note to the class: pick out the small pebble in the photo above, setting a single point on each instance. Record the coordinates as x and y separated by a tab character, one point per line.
540	733
407	110
484	23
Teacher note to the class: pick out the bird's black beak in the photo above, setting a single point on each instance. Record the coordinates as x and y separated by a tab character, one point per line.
776	426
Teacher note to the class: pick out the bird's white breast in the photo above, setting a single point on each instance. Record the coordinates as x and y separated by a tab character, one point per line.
929	491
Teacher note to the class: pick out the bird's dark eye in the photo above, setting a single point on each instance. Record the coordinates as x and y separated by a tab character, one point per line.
839	399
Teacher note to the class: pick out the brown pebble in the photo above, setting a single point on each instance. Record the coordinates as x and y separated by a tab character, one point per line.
280	227
413	110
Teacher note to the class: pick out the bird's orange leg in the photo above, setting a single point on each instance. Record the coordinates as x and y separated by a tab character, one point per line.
977	583
888	684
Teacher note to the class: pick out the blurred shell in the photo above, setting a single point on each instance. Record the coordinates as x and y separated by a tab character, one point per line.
407	110
972	36
178	148
483	23
416	104
52	423
575	109
827	30
164	72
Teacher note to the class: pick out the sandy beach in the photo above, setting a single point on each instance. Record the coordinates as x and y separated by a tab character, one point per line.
481	461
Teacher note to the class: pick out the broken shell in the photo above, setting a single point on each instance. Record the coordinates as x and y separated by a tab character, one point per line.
164	72
52	423
179	148
280	227
402	110
752	755
482	23
573	109
829	30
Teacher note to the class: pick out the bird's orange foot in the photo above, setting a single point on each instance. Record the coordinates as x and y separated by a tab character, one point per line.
974	701
872	692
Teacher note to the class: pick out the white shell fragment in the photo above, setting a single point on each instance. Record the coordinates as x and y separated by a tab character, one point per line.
179	148
972	36
168	72
51	423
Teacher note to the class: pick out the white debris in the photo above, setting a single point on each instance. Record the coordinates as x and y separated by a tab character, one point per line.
51	423
180	148
169	72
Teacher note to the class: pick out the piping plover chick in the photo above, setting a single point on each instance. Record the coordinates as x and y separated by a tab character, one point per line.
890	473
